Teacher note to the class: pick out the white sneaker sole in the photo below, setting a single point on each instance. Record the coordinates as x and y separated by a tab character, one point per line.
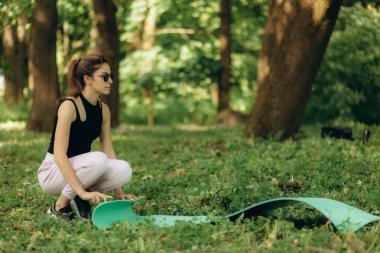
49	212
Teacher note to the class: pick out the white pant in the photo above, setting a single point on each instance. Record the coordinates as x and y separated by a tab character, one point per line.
95	171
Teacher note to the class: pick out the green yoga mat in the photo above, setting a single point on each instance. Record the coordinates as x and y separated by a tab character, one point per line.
343	216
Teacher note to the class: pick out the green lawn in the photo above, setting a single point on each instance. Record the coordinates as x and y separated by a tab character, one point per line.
185	171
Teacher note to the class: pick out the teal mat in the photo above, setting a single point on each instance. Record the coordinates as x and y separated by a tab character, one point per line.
343	216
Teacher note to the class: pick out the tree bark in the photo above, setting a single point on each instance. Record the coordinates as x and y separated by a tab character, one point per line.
108	45
296	36
43	65
22	59
93	33
225	114
14	55
147	43
225	55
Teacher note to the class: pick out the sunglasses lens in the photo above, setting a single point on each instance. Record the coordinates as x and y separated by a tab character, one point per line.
106	77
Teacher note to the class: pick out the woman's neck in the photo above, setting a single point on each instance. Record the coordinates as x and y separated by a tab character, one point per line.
90	96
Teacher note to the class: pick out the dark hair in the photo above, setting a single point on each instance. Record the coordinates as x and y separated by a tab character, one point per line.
78	68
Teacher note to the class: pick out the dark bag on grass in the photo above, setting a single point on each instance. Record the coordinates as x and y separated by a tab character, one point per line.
337	132
343	133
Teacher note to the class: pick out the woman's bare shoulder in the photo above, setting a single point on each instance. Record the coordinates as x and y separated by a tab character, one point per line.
67	109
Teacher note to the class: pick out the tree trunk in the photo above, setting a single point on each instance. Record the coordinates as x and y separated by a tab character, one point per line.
14	56
93	33
108	45
296	36
22	61
147	44
225	115
43	65
225	55
66	43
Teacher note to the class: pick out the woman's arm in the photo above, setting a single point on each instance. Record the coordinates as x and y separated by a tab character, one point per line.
107	147
66	115
105	134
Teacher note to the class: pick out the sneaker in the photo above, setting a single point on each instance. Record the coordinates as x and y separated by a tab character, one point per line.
66	213
82	208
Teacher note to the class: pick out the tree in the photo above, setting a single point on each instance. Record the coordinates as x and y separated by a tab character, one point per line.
225	41
296	36
14	54
147	43
225	115
142	43
15	15
108	45
43	65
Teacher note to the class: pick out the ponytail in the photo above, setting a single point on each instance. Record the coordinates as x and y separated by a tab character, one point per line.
73	82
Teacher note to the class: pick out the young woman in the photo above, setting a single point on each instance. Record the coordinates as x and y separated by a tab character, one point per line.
69	169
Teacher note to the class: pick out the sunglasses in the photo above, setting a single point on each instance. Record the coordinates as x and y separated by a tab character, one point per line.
106	77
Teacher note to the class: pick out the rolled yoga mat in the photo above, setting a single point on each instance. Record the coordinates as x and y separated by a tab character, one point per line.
344	217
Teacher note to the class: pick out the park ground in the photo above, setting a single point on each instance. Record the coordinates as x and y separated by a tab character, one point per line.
190	170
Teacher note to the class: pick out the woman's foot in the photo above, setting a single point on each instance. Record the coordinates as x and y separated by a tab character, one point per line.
66	213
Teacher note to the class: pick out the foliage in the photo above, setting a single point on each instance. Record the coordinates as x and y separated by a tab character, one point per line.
350	3
11	11
73	40
348	84
186	66
191	172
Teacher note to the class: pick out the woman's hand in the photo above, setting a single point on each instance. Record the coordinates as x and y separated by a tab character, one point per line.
95	197
120	195
126	196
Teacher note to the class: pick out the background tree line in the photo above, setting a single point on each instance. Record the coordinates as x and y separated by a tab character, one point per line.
204	62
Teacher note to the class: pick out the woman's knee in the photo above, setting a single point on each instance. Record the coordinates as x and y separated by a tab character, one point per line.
125	172
99	161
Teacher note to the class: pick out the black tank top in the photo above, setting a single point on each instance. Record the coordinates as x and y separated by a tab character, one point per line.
82	133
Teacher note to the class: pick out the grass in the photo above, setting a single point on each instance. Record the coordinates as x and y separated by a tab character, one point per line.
184	171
